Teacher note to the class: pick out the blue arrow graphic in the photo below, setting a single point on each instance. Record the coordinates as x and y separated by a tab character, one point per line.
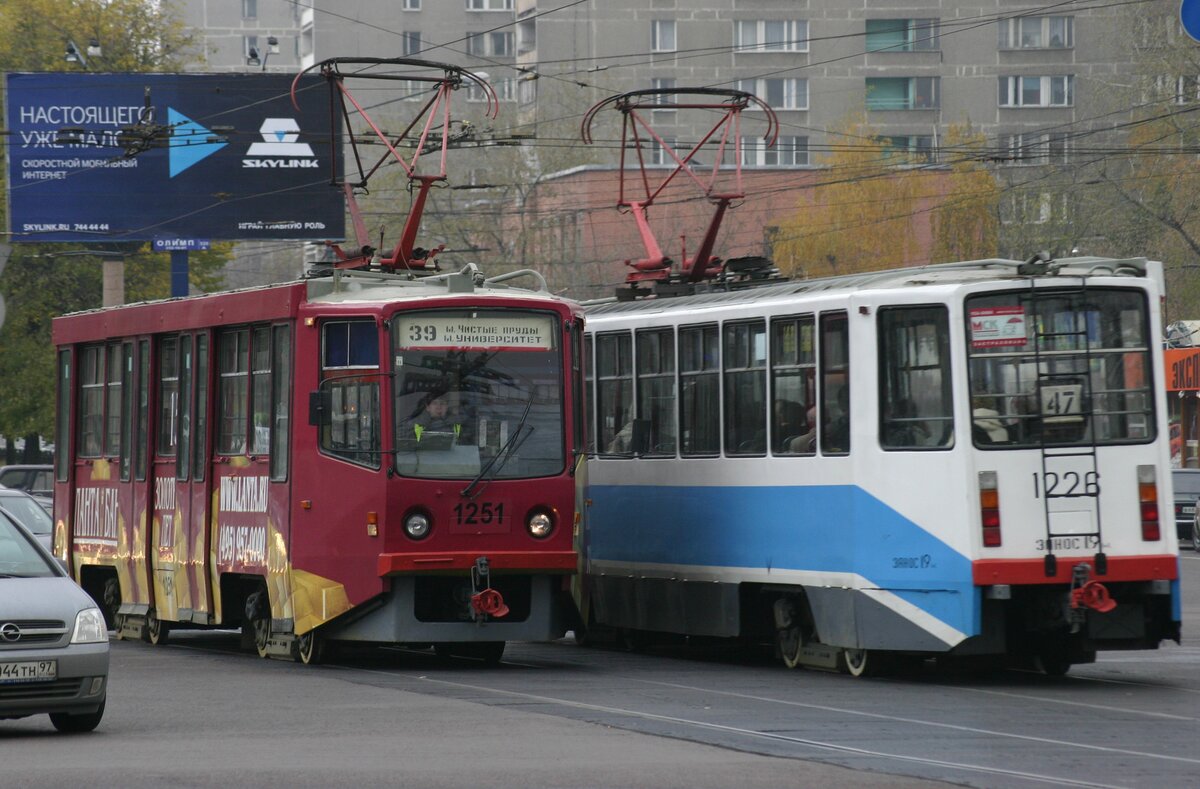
189	142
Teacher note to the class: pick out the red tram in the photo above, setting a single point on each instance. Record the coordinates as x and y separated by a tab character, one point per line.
264	459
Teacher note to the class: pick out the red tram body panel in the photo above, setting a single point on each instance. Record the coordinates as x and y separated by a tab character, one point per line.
266	458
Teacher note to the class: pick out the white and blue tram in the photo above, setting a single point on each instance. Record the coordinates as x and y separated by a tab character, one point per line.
964	459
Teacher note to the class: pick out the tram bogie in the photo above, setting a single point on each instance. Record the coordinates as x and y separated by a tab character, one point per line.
955	461
274	460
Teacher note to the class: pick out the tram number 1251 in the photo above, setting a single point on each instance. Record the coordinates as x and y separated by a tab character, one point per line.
1069	484
482	513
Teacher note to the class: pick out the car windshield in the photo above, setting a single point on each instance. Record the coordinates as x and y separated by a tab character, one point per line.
1186	482
19	557
28	512
473	387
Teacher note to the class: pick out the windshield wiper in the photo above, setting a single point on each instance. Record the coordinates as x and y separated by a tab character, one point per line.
508	450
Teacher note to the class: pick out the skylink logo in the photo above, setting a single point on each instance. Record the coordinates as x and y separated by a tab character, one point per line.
279	148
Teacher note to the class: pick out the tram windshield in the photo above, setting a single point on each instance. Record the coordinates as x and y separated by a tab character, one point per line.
1059	368
478	392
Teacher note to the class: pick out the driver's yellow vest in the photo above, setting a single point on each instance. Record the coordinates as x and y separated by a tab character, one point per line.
418	429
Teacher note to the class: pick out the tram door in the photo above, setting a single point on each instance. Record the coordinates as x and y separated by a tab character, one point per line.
178	550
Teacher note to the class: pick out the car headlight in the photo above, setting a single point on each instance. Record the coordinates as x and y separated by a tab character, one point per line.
417	525
540	524
89	627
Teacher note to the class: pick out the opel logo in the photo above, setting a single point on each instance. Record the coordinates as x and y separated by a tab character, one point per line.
10	632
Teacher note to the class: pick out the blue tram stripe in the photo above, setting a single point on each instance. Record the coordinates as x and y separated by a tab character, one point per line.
816	529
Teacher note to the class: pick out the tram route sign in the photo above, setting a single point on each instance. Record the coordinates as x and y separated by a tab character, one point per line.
137	157
1189	17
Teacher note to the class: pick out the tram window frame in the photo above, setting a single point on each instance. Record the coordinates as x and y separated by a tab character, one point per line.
260	391
744	377
353	430
615	394
654	351
168	397
795	362
91	401
183	439
915	379
127	395
233	392
833	356
699	362
200	410
579	404
112	400
141	443
589	385
62	446
281	377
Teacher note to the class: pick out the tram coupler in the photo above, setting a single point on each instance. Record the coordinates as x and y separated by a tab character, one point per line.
131	627
1087	594
485	601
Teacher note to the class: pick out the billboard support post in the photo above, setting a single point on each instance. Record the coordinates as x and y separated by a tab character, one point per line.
113	277
179	273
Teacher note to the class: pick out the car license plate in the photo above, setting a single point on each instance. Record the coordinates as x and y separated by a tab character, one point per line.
35	671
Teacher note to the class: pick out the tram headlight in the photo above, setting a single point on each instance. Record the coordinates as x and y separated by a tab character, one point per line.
540	524
417	525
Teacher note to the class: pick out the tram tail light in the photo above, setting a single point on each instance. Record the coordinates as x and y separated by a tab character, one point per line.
1148	503
372	524
989	509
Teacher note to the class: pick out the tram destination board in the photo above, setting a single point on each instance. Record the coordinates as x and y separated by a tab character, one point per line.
134	157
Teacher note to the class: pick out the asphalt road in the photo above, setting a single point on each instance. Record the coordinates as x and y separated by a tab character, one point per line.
199	713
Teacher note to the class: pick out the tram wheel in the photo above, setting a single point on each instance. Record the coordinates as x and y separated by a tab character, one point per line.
156	631
791	644
111	601
310	648
859	662
259	614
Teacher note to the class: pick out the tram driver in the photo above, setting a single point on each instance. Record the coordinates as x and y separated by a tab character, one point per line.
434	418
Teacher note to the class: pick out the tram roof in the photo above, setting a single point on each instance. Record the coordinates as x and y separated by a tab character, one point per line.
966	272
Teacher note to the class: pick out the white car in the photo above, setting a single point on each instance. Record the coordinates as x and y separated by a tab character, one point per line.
53	641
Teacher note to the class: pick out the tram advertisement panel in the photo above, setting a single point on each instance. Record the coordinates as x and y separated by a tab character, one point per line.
137	157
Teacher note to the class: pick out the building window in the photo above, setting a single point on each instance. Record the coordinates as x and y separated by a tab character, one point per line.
305	41
249	9
660	152
1037	32
911	147
1052	148
506	90
411	5
902	93
493	44
902	35
745	388
769	35
489	5
1037	91
789	93
411	42
1034	208
662	35
665	102
788	151
250	43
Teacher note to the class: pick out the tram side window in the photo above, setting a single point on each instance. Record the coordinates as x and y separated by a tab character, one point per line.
793	386
141	448
260	388
350	373
168	395
699	390
126	427
91	401
656	389
62	447
835	384
589	387
281	363
112	401
746	388
916	407
200	420
614	393
233	360
183	442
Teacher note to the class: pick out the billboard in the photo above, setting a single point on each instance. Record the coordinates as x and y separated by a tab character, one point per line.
135	157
